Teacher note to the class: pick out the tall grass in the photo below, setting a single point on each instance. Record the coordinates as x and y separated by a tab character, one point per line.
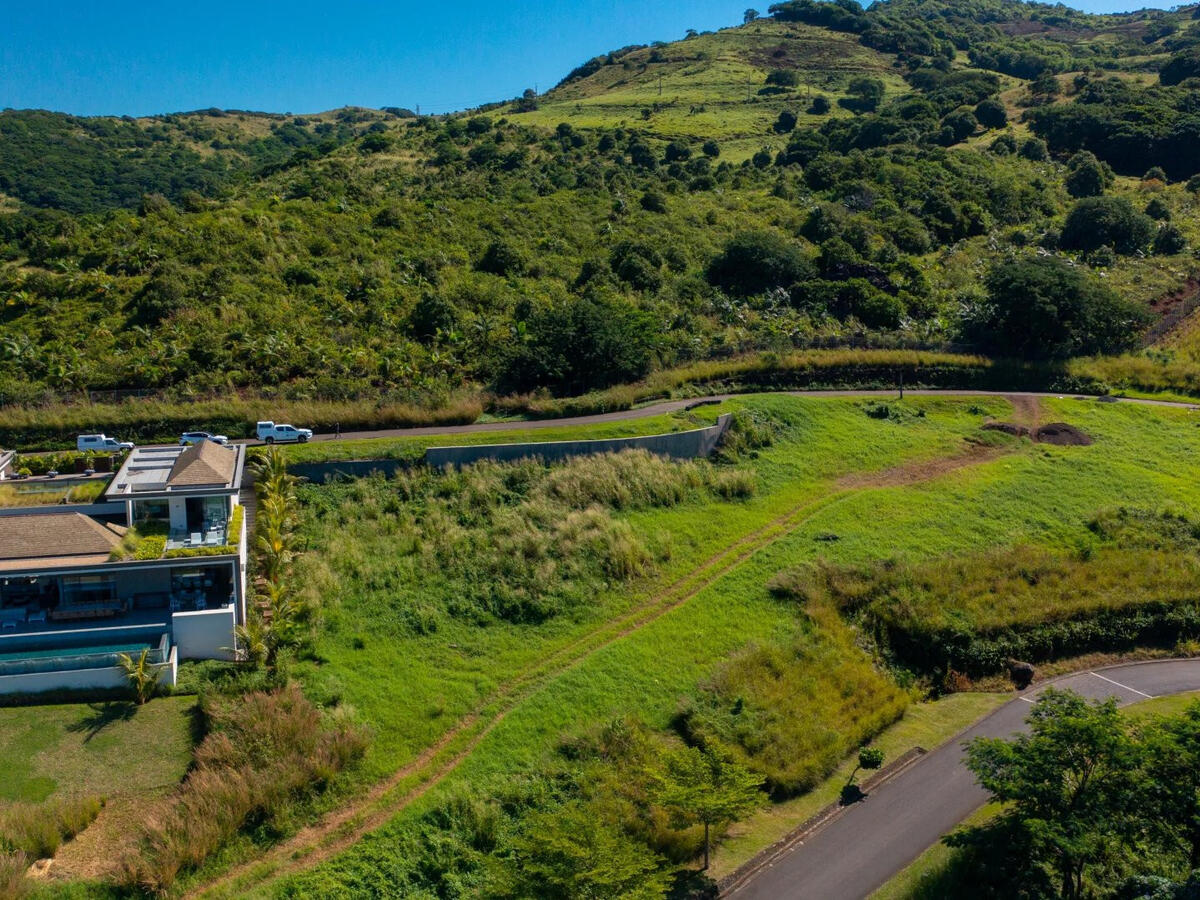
36	830
791	711
265	751
13	883
519	542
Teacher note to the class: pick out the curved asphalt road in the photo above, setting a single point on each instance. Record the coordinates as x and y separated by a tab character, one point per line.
871	841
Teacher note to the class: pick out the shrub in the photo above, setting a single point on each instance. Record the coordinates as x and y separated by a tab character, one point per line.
1095	222
263	751
1042	308
757	261
791	711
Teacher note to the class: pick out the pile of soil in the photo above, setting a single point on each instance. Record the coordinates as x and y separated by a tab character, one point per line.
1058	433
1063	435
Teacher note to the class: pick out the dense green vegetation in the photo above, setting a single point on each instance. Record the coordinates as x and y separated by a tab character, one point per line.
1095	805
664	205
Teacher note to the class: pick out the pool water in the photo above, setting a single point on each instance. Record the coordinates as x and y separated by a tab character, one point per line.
86	650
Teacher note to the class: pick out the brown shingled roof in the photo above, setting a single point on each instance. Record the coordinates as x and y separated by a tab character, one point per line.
49	535
203	463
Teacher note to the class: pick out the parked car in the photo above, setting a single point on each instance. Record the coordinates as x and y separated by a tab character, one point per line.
102	443
271	433
195	437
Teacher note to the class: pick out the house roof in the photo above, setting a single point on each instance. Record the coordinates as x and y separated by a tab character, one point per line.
55	538
203	463
200	468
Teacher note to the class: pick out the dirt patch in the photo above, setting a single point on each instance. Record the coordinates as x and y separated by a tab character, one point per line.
1058	433
923	470
1174	310
1007	428
1062	435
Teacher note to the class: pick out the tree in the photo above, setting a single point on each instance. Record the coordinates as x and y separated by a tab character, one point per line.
783	78
990	113
567	852
711	149
865	93
141	674
1043	308
820	105
706	787
502	258
1087	176
1172	763
786	123
1095	222
757	261
578	345
870	758
1068	787
1169	240
749	16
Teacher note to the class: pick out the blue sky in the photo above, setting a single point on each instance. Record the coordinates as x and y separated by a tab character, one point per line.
139	58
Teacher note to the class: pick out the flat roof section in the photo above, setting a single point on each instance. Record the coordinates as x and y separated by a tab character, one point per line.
167	469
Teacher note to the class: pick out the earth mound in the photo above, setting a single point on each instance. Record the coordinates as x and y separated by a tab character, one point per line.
1059	433
1063	435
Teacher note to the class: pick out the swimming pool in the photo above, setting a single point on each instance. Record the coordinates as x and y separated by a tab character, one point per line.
84	650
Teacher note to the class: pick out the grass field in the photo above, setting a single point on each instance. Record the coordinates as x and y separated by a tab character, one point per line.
520	688
459	695
128	756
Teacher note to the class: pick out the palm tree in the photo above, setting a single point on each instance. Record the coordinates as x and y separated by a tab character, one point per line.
141	674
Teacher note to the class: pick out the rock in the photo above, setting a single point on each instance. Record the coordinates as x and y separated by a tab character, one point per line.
1021	673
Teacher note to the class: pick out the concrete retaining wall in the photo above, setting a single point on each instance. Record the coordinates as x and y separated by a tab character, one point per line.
680	445
693	444
205	634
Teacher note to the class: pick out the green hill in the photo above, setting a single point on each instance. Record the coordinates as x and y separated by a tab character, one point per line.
823	177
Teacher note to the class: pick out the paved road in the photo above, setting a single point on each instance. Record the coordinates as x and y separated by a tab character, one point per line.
670	406
873	840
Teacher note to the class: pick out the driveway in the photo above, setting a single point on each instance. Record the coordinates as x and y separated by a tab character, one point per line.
873	840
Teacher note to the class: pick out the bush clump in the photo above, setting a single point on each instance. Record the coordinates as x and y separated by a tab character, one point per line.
263	751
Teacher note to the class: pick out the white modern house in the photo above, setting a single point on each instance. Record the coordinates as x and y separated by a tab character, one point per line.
159	563
6	463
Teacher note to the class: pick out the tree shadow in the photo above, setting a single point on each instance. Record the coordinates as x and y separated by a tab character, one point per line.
101	715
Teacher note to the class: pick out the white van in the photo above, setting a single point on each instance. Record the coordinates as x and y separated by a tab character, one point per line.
271	433
100	443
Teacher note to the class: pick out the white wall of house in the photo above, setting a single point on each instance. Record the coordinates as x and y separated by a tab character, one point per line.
177	506
204	634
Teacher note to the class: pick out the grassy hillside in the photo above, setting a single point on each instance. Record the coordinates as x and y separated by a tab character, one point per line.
825	177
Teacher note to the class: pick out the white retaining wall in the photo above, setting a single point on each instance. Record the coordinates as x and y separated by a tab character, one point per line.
81	679
204	634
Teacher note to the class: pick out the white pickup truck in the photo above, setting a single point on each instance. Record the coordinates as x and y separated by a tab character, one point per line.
101	443
271	433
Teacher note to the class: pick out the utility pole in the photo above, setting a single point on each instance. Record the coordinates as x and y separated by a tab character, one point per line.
901	384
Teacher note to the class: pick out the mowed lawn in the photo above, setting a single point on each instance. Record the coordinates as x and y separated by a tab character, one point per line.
129	756
105	749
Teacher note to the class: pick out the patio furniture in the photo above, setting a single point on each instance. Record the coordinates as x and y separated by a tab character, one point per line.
39	616
11	618
194	540
212	539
